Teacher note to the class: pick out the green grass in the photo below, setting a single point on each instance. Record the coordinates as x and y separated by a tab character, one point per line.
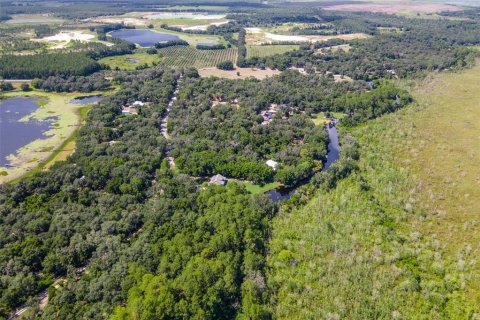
184	56
256	188
397	239
194	39
122	62
269	50
319	119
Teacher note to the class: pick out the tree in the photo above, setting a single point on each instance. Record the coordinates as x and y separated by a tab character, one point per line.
226	65
25	87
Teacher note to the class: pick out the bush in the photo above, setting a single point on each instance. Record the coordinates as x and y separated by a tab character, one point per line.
226	65
152	51
25	87
210	46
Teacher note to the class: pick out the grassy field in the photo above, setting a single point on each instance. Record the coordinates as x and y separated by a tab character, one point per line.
183	56
320	119
265	51
44	152
256	188
399	238
194	39
130	61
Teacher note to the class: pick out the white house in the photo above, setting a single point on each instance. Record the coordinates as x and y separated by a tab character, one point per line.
272	164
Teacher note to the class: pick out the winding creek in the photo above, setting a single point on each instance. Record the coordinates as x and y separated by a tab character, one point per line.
333	155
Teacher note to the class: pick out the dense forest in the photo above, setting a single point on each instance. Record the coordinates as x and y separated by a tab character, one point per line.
44	65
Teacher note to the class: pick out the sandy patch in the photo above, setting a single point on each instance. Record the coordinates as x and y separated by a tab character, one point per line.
126	20
277	37
244	73
203	27
253	30
66	36
395	7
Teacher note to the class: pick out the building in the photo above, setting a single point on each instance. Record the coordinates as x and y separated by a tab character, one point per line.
272	164
218	179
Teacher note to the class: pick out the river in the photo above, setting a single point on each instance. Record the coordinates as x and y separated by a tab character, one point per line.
333	155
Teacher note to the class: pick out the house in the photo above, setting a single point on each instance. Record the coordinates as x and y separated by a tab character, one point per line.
218	179
272	164
138	104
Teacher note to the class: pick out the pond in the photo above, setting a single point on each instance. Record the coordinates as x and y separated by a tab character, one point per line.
86	99
15	134
144	38
333	155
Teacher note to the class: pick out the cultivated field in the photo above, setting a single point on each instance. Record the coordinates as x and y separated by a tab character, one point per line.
183	56
269	50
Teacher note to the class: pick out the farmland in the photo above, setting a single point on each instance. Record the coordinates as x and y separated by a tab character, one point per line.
269	50
181	56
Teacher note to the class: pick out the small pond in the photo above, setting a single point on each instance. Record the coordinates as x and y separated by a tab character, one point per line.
86	99
144	38
15	134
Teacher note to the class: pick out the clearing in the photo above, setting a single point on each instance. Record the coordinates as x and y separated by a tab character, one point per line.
257	36
130	61
269	50
244	73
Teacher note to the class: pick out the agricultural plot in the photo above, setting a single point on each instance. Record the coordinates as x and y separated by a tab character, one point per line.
269	50
181	56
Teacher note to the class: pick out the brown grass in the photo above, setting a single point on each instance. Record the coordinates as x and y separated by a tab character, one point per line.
244	73
395	7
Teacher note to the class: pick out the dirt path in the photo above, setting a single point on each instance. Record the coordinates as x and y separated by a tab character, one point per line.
164	123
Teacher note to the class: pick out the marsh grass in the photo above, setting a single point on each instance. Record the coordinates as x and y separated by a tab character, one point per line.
399	238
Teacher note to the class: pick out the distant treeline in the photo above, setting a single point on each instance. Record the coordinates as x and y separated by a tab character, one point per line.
45	65
171	43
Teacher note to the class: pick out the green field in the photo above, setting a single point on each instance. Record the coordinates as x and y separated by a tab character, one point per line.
256	188
123	62
194	39
183	56
269	50
398	238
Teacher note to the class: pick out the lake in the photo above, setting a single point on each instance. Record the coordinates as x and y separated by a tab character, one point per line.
86	99
15	134
144	38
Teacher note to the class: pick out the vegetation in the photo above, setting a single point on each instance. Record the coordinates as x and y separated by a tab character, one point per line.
226	65
380	238
269	50
44	65
129	227
184	57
